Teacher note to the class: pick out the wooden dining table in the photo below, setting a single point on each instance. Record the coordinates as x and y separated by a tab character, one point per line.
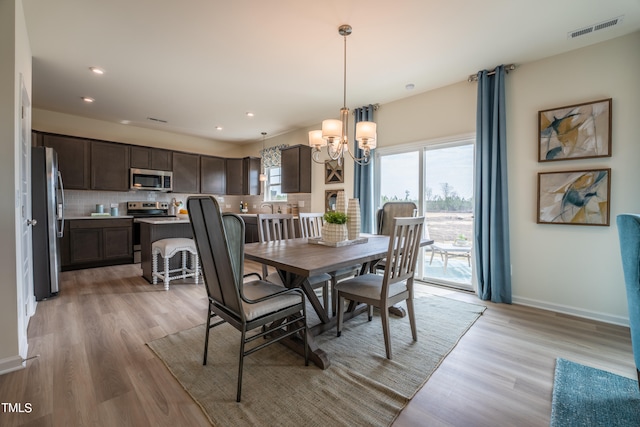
297	259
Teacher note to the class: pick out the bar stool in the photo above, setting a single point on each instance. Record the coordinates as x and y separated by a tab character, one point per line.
167	248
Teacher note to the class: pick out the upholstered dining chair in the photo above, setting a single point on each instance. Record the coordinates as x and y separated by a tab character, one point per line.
390	210
384	219
274	312
629	234
311	226
395	285
277	227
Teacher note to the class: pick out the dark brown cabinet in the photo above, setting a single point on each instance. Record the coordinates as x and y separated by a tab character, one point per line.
213	178
243	176
251	184
296	169
97	243
186	173
73	159
150	158
109	166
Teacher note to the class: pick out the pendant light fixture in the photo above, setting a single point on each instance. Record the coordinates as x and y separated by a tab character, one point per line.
334	133
263	176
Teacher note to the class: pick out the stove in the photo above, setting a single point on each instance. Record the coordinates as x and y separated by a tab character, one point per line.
147	209
144	210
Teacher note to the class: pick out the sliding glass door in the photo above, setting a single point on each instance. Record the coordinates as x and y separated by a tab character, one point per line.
438	177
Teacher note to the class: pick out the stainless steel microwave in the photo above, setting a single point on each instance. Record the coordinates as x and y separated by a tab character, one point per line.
151	180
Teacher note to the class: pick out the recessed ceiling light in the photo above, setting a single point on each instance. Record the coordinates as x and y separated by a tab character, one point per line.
125	122
218	127
410	86
249	114
96	70
87	99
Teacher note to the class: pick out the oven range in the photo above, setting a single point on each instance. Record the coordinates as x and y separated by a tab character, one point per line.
144	210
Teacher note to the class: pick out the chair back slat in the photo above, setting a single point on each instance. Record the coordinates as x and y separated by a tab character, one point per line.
311	224
275	227
404	248
217	254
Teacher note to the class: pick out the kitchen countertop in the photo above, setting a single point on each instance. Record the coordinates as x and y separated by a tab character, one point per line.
98	217
159	221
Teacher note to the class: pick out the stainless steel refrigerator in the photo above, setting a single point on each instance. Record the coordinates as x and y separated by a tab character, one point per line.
47	204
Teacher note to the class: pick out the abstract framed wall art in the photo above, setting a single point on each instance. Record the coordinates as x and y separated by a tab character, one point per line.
578	131
574	197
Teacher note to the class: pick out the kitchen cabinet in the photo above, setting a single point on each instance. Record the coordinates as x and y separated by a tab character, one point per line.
96	243
186	173
109	166
250	228
243	176
73	159
213	179
251	185
150	158
296	169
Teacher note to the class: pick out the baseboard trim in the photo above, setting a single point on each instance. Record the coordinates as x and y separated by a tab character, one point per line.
574	311
11	364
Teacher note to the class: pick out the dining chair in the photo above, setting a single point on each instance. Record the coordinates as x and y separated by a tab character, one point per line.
396	285
384	220
277	227
311	226
278	312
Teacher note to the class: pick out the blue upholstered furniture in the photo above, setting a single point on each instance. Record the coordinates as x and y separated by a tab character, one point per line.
629	232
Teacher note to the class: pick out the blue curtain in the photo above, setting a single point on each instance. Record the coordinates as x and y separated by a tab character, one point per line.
491	230
363	175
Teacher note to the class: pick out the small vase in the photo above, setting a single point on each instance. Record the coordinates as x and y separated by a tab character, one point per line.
341	202
334	233
353	219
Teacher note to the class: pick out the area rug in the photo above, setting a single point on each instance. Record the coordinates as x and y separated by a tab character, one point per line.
361	387
590	397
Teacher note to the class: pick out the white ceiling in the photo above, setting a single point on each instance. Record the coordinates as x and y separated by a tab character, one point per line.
199	64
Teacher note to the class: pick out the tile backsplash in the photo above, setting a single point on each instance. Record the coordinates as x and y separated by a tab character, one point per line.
83	202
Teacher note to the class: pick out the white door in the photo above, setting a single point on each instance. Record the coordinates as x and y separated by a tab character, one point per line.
26	307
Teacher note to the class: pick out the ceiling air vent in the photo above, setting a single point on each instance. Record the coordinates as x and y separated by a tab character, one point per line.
595	27
153	119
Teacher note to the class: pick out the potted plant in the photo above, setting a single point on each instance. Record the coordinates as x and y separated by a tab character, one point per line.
461	240
334	228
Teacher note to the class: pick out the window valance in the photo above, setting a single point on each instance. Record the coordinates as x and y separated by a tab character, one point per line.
271	156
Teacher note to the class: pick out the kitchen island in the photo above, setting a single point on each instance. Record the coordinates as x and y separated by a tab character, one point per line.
153	229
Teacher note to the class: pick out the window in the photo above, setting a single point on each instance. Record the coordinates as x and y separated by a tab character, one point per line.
438	177
273	191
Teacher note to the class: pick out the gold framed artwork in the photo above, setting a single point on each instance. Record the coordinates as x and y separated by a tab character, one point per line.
334	172
579	131
579	197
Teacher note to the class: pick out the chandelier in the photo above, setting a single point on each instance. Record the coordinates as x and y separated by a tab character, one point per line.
334	133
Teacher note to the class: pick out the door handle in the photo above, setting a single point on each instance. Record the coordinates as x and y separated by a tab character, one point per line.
32	222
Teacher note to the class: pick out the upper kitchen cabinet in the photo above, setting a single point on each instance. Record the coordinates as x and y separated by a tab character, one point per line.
213	178
109	166
243	176
186	173
296	169
150	158
252	173
73	159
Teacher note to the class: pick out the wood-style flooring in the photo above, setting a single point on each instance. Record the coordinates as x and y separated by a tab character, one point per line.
94	369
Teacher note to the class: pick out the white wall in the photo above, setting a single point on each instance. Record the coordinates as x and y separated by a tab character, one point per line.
575	269
16	61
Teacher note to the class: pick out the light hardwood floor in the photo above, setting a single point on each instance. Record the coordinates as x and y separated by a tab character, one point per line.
94	368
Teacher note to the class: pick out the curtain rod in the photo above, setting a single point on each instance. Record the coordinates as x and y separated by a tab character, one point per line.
375	108
507	68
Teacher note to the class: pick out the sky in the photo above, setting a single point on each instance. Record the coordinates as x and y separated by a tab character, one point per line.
452	165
